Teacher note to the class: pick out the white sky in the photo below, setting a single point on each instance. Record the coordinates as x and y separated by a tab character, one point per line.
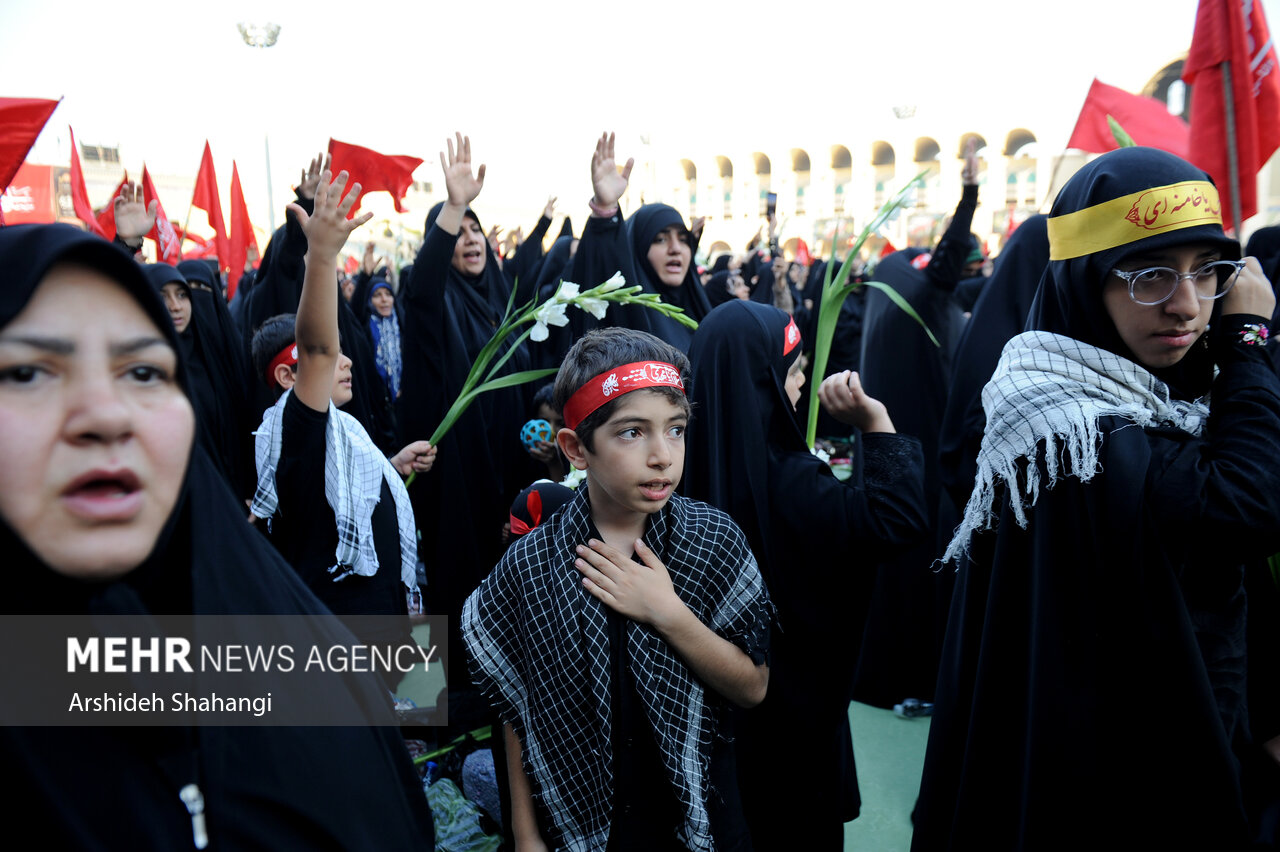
535	83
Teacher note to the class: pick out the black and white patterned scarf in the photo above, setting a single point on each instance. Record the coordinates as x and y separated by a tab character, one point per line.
538	645
354	470
1052	388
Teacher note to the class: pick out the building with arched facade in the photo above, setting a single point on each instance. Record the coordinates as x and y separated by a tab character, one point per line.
829	185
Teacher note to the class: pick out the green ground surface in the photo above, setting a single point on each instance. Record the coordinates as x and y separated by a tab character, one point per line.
890	754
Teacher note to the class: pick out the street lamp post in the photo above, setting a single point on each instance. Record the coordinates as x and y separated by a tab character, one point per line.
263	36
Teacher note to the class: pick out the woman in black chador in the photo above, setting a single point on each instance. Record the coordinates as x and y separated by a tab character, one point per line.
109	507
1092	689
453	302
817	541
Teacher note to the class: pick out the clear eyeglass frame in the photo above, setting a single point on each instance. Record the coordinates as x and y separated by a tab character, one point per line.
1162	279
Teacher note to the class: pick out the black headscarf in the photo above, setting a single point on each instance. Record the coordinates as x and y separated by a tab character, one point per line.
280	787
642	228
999	314
718	289
1069	301
742	409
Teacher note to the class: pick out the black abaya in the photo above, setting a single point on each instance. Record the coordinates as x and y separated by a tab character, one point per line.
816	540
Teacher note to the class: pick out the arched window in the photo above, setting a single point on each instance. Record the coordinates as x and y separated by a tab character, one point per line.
800	165
842	172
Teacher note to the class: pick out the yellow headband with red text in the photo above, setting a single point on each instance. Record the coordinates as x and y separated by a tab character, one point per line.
1133	217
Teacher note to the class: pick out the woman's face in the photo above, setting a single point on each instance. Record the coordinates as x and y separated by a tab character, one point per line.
795	381
670	255
468	252
1160	335
178	300
383	302
738	285
95	433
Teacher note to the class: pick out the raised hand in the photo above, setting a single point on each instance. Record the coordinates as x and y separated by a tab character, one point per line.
1251	293
462	185
969	174
550	208
609	184
311	176
841	394
327	228
695	228
134	218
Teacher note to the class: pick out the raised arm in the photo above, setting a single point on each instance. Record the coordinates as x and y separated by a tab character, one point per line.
326	229
944	269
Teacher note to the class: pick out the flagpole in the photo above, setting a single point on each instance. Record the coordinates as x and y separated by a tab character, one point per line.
186	223
1233	165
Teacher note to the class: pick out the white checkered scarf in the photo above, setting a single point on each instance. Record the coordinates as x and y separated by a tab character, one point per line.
354	470
1052	388
538	644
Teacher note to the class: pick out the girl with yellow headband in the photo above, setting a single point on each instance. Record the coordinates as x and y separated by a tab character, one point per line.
1092	692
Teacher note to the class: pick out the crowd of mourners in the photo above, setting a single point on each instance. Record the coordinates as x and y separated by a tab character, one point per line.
1048	521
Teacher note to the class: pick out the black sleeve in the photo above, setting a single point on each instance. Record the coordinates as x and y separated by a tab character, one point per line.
944	269
519	270
1220	494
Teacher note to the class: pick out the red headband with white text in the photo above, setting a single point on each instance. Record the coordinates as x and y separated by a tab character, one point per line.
612	384
287	356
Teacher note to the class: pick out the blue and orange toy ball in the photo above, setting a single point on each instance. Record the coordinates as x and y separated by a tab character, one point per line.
533	432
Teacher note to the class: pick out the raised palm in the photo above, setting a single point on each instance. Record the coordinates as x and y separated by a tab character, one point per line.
609	183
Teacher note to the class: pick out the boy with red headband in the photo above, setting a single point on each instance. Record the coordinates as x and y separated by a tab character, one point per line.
610	638
337	509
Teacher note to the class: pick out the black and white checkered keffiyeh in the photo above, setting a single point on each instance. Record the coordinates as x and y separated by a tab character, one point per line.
538	644
1052	388
354	470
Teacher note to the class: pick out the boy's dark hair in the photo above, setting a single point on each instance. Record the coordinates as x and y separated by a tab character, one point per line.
603	349
273	335
543	397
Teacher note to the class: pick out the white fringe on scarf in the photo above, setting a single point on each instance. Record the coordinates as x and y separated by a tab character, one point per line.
1052	388
354	470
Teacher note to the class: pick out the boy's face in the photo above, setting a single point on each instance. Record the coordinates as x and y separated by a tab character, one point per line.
638	457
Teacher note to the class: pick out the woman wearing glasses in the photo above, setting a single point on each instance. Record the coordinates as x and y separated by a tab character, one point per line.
1092	689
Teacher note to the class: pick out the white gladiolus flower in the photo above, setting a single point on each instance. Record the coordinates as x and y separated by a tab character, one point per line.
596	307
614	283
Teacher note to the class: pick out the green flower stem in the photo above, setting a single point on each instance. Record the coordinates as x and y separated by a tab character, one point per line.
834	294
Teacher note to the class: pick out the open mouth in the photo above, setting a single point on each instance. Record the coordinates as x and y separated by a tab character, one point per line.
658	489
103	495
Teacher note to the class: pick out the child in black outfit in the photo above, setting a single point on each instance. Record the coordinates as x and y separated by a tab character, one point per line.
337	508
614	679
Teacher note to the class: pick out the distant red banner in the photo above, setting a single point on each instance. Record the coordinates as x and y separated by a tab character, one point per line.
30	196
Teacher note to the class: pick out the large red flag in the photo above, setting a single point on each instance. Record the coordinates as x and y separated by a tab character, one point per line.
79	193
241	233
168	247
21	120
373	171
1234	31
207	199
1146	120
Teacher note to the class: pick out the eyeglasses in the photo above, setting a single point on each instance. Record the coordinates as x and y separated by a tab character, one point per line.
1157	284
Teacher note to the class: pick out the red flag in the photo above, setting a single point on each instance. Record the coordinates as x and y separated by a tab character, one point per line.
1146	120
1224	32
207	199
107	215
79	194
21	120
241	233
373	171
168	248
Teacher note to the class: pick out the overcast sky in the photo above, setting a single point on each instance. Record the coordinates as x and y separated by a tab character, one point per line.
535	83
